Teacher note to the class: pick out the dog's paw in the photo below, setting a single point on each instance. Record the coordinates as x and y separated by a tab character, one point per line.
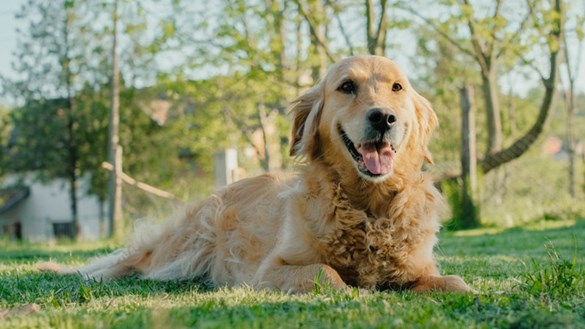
456	284
449	283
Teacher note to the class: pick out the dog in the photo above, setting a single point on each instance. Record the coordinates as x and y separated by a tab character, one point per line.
361	211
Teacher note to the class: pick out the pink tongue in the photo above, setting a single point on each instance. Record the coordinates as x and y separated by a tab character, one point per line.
377	160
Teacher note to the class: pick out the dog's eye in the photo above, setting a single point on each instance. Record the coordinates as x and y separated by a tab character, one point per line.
396	87
348	87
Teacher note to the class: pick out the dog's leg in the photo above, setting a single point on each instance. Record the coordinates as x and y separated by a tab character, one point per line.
441	283
299	278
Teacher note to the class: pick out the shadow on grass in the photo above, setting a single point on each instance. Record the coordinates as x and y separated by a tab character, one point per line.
383	310
50	289
18	287
36	254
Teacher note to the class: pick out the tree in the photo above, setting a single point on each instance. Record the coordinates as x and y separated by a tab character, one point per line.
114	150
50	62
63	84
376	33
572	68
4	137
491	40
267	48
252	42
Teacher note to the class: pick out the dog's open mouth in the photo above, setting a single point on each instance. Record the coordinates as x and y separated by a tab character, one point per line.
373	158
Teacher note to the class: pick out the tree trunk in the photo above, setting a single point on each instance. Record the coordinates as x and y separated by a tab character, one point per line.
376	35
469	216
514	151
489	84
571	137
279	36
72	172
71	142
115	153
572	72
520	146
318	36
265	162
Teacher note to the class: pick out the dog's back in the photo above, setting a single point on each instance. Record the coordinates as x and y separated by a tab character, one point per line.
222	239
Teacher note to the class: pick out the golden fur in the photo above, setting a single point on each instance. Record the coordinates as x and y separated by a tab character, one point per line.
354	227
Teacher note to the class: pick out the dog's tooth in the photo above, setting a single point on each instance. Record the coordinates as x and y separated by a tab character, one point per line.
362	165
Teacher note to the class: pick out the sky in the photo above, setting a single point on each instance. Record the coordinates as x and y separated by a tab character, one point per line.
9	24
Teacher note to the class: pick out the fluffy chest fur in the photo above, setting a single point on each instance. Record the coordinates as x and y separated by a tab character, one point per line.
379	252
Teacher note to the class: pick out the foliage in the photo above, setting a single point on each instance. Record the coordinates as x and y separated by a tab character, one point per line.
534	191
557	277
460	217
228	69
494	263
78	51
244	105
4	128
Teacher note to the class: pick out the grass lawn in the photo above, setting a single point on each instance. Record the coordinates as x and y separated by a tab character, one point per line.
531	277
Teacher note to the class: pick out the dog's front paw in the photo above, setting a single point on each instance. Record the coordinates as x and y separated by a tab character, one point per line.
456	284
447	283
301	279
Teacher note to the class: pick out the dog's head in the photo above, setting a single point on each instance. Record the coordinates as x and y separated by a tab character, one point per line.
364	113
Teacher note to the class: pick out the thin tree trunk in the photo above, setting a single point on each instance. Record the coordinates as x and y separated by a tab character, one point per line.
570	100
265	162
520	146
115	154
376	34
468	160
280	34
494	118
494	160
72	172
486	56
318	36
71	142
321	51
571	137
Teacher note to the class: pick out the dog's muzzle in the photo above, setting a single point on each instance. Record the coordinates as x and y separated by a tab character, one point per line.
374	158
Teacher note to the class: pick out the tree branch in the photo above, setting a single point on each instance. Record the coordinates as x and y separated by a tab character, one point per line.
429	22
516	34
482	56
382	28
492	44
342	27
532	66
143	186
521	145
313	30
376	38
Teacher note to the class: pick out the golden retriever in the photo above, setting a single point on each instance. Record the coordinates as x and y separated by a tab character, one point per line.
361	213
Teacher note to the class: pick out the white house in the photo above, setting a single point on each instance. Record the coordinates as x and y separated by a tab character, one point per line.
40	211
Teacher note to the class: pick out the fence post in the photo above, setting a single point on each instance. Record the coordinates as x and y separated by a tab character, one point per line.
115	211
225	167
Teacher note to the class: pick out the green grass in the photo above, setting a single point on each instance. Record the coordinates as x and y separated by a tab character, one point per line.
530	277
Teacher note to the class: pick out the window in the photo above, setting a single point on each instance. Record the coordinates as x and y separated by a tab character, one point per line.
63	230
12	231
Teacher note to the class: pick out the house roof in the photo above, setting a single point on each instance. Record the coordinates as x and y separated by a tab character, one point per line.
10	197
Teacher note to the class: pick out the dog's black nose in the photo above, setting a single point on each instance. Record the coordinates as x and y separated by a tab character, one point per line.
380	120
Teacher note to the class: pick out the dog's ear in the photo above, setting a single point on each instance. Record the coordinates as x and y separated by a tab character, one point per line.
306	113
427	122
